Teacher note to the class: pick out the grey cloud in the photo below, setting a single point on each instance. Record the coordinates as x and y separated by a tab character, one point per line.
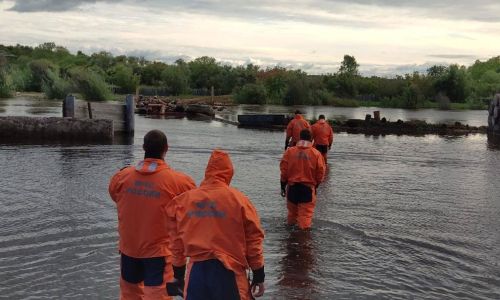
46	5
454	56
51	5
479	10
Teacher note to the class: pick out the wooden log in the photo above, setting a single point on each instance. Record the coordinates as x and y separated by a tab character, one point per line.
90	110
376	115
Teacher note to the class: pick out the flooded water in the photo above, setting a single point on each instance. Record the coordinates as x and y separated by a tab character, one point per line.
398	217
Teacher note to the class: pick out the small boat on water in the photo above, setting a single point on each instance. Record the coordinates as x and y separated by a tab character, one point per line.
263	120
201	109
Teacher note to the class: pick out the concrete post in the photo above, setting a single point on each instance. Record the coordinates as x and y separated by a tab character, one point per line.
69	106
129	114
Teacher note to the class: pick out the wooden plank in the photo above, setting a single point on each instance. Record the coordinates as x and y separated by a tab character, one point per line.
107	115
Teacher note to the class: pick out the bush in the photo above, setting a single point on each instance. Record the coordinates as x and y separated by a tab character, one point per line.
90	84
339	102
56	87
251	93
322	97
21	78
39	73
5	85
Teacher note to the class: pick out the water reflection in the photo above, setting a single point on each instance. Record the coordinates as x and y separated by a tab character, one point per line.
297	281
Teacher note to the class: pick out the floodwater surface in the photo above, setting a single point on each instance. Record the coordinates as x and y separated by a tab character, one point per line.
398	217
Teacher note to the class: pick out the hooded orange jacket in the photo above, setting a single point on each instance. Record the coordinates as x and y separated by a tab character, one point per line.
216	221
141	193
303	164
295	127
322	133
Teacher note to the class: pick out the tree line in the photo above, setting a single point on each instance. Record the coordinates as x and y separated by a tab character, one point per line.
52	69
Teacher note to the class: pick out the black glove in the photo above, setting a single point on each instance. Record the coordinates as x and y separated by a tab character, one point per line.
176	288
286	145
283	188
258	276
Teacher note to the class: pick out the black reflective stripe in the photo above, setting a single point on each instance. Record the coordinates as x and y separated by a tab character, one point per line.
299	193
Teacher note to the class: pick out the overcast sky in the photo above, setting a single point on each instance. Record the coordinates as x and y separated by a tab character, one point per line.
387	37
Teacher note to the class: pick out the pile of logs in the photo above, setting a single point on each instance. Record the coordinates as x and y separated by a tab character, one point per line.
494	115
157	105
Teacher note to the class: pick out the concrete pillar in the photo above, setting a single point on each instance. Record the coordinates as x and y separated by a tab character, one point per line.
129	114
69	106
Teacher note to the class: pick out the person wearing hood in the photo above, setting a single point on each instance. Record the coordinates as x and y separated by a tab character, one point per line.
322	134
293	129
140	194
218	228
302	170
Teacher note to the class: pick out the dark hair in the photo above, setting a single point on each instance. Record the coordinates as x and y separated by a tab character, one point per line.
321	117
155	144
298	112
305	135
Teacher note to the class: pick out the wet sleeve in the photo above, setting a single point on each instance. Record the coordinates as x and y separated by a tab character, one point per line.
289	129
284	167
307	124
176	245
114	186
313	132
321	168
254	235
330	140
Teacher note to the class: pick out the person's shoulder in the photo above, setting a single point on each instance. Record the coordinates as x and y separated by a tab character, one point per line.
315	151
124	170
179	175
240	196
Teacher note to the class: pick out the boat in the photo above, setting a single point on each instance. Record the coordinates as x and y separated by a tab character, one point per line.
263	120
201	109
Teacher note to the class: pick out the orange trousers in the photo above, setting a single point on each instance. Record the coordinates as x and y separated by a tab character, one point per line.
241	282
138	291
302	213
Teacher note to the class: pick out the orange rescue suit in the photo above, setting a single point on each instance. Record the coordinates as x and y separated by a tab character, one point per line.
295	127
304	165
322	133
219	222
141	194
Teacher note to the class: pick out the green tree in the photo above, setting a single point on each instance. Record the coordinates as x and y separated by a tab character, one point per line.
349	66
204	72
176	79
122	76
151	73
251	93
454	83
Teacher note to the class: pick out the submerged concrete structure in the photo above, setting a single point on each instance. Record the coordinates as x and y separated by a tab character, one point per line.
55	129
494	115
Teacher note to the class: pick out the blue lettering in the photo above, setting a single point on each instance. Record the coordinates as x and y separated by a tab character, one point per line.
143	193
205	209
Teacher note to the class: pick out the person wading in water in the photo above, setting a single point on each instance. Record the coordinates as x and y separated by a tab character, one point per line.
302	170
141	194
